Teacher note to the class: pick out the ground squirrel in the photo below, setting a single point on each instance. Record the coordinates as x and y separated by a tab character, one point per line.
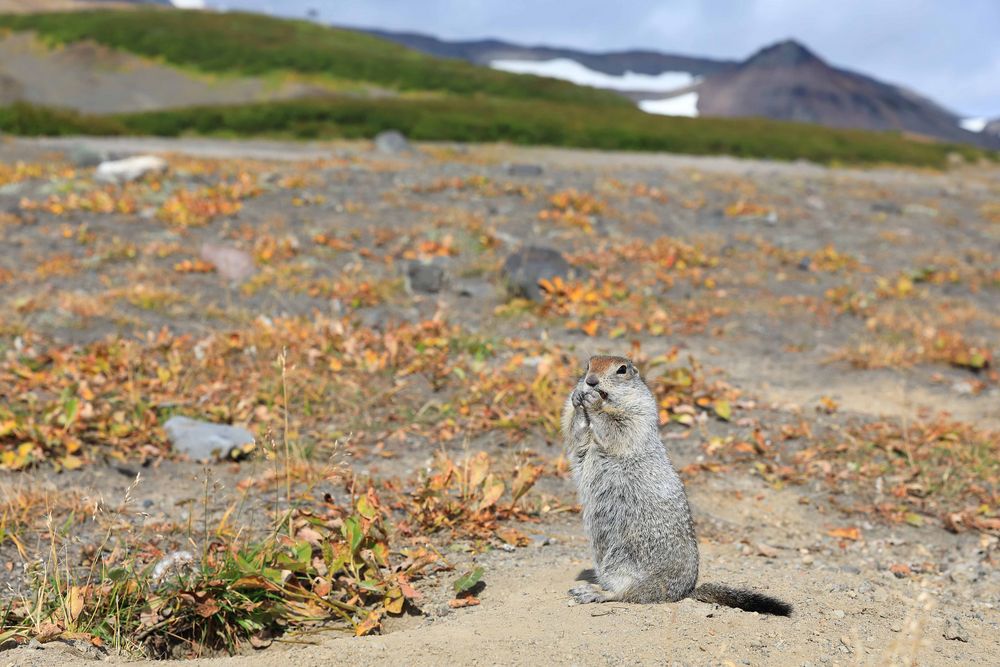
635	509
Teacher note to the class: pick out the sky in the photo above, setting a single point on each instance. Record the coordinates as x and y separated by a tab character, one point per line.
946	50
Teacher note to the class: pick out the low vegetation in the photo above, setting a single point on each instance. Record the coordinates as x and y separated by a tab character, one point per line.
483	119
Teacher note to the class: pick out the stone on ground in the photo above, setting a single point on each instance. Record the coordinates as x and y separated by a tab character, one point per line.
130	169
205	441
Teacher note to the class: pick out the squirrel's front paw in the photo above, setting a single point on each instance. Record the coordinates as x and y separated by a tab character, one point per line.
591	401
577	398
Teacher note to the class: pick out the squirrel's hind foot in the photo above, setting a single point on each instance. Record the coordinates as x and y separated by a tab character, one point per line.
588	593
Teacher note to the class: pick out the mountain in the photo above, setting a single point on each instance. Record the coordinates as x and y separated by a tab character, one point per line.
787	81
784	81
615	63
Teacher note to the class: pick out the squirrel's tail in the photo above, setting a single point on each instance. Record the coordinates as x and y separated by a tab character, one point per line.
741	599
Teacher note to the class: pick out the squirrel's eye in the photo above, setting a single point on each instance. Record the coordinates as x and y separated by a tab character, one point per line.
622	369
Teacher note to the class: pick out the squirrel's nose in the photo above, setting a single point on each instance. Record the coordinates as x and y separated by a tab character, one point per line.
592	380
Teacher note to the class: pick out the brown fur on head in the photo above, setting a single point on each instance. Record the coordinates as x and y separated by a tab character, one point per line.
605	372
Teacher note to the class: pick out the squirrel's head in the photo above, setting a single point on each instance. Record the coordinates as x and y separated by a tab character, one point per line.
605	374
618	382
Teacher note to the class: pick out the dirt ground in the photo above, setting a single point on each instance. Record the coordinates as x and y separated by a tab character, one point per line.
839	298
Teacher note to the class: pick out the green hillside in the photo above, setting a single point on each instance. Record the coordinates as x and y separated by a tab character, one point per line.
427	98
254	44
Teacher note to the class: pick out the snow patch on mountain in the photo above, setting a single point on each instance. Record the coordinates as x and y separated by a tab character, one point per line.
571	70
973	124
679	105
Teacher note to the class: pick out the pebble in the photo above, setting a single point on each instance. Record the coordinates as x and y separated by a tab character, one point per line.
425	277
524	169
839	613
954	630
392	142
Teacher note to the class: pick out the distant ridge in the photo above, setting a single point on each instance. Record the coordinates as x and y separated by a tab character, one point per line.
787	81
484	51
783	81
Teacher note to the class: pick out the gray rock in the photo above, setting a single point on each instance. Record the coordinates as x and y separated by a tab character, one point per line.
376	317
392	142
231	263
954	630
523	170
888	207
13	189
205	441
130	169
425	277
85	156
475	289
543	540
525	267
920	210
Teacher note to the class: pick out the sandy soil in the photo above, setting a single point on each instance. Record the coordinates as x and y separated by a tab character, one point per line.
850	607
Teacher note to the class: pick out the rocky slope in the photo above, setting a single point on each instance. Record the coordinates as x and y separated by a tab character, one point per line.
485	51
787	81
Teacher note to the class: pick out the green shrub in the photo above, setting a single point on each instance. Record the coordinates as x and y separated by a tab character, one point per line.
482	119
30	120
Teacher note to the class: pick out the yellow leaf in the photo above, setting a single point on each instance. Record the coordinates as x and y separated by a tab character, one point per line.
71	462
526	477
479	467
74	602
492	490
723	409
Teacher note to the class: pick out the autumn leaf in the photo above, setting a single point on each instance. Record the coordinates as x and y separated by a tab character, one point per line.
851	533
479	467
207	608
493	488
74	602
459	603
722	409
371	623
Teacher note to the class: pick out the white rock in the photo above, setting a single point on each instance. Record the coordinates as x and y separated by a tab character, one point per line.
204	441
130	169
